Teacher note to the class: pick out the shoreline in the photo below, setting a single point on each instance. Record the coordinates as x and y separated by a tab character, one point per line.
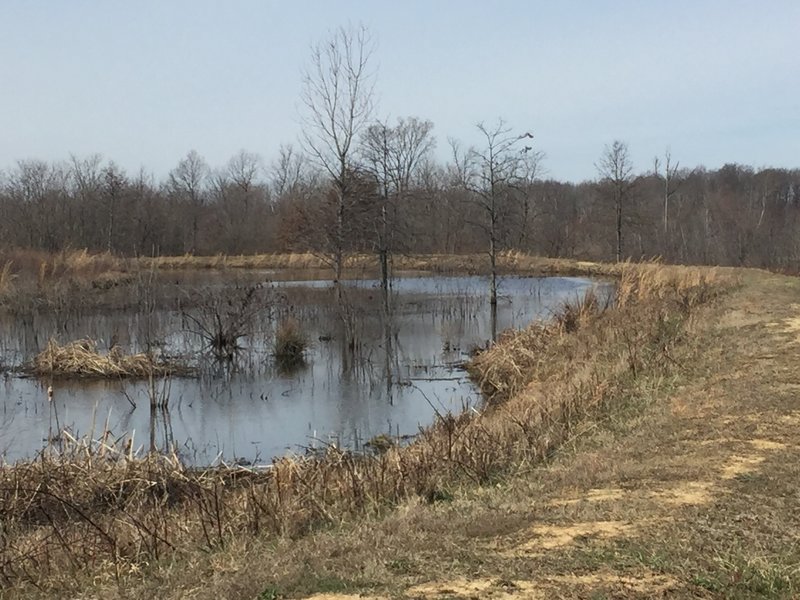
457	452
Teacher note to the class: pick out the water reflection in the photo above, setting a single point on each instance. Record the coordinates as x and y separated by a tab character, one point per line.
392	376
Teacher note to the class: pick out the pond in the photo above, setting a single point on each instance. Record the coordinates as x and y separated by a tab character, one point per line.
250	409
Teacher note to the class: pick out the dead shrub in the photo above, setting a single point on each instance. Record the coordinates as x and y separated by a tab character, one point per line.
223	319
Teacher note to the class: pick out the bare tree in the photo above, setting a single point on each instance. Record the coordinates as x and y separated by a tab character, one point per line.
114	183
288	172
491	174
187	181
531	171
670	185
86	179
243	168
392	156
36	187
338	98
616	171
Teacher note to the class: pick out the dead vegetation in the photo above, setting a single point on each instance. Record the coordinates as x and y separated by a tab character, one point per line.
47	268
291	344
223	319
115	518
81	358
76	279
31	280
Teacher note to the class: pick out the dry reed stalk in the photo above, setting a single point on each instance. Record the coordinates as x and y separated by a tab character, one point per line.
291	343
82	359
6	277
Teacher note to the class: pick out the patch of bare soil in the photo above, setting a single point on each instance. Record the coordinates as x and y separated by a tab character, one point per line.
544	538
343	597
497	589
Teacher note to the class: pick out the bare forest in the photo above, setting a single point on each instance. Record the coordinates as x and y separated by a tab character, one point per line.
735	215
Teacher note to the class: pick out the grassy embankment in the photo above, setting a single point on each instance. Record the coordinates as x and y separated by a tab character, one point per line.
474	504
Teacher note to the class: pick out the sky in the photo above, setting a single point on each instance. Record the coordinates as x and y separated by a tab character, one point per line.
142	83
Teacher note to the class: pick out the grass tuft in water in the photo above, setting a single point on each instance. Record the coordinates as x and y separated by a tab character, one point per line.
291	343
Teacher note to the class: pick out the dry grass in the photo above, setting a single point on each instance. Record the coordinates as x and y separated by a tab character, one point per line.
291	344
6	277
666	296
67	263
250	261
73	279
82	359
32	279
117	517
510	261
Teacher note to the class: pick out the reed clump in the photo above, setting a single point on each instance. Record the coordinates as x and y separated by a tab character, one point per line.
7	277
651	302
116	517
81	358
291	344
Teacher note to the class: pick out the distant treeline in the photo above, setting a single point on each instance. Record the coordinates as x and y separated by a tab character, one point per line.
731	216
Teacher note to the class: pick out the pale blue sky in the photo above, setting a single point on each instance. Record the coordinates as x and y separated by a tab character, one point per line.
143	82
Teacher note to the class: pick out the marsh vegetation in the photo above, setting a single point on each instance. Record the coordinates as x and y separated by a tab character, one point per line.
252	364
104	501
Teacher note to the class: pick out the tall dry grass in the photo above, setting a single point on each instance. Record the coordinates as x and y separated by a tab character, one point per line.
6	277
31	278
249	261
81	358
98	511
290	344
46	266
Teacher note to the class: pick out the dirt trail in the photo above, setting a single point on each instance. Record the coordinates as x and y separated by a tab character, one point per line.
697	497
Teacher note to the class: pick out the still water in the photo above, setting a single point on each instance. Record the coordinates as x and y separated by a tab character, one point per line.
249	409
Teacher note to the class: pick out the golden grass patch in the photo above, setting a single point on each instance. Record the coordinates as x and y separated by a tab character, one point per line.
548	537
649	584
343	597
496	589
593	495
81	358
687	493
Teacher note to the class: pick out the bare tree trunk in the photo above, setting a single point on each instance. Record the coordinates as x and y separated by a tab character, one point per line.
110	244
338	250
666	205
387	320
493	266
616	170
619	226
194	231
